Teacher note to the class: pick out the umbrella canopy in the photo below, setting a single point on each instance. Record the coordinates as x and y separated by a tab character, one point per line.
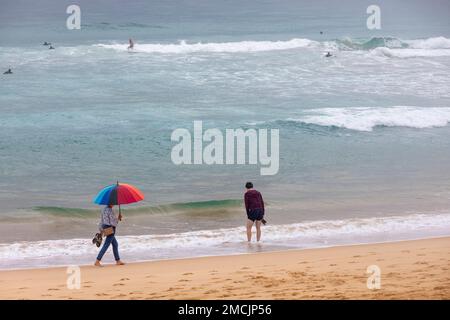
119	193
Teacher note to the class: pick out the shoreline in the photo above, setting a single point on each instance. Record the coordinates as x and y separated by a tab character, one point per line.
229	255
410	269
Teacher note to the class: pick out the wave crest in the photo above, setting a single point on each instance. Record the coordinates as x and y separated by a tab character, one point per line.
226	47
366	119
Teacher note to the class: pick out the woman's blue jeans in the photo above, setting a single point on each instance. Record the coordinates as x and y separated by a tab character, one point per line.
111	239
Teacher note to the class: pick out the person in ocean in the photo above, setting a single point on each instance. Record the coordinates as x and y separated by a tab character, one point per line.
254	205
328	54
131	44
9	71
51	47
109	219
46	43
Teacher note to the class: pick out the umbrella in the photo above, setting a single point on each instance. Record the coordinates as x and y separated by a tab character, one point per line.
119	193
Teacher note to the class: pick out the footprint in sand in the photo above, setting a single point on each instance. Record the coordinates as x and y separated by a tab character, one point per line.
211	291
23	288
184	280
172	289
338	282
53	289
297	274
124	279
187	274
118	284
332	265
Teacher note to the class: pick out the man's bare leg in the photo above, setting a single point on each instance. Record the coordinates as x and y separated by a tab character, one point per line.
249	230
258	230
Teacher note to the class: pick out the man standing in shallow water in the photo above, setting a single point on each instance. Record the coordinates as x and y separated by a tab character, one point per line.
254	205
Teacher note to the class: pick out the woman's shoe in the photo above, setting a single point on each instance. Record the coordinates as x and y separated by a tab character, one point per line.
97	239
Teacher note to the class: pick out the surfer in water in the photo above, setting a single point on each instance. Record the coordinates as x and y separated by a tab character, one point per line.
131	44
328	54
9	71
46	43
51	48
254	205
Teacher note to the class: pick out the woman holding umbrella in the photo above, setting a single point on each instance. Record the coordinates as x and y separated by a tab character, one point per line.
109	220
115	194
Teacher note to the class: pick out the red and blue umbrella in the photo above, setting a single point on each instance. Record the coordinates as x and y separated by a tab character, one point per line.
119	193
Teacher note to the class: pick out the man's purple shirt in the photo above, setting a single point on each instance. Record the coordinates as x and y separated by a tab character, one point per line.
253	200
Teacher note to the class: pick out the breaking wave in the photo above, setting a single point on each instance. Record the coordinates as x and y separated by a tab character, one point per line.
228	47
366	119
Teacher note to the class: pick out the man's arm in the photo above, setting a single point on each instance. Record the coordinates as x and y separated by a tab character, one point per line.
246	202
262	202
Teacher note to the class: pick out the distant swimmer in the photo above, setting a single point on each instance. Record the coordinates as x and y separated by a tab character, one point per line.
51	47
131	46
46	43
321	32
9	71
328	54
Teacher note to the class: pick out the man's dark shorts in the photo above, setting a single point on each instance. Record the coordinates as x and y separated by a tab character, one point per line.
255	214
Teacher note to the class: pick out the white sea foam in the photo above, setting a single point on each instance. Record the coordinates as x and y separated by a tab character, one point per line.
410	53
392	47
306	234
430	43
229	47
365	119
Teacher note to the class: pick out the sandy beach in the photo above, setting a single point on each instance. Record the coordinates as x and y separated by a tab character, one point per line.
418	269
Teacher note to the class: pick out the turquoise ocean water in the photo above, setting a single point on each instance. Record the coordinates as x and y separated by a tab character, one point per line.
364	135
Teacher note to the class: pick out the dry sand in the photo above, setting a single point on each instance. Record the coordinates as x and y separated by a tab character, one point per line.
418	269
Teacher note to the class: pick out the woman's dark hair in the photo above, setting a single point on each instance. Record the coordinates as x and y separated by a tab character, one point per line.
249	185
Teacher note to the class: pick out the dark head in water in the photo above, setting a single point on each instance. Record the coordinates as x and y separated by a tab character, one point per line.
8	71
321	32
46	43
328	54
51	47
